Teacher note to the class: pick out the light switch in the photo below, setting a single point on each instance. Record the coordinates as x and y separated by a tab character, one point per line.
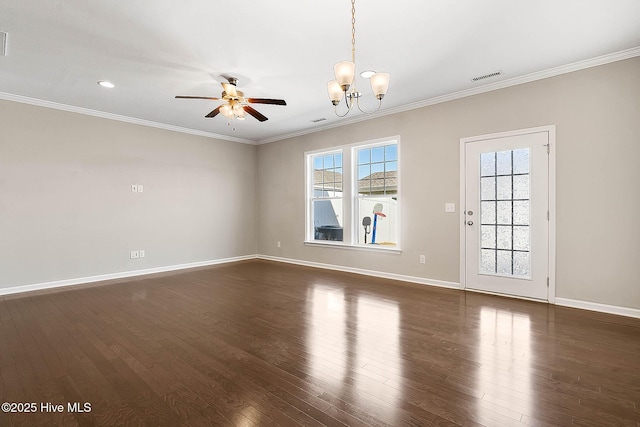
450	207
140	188
134	188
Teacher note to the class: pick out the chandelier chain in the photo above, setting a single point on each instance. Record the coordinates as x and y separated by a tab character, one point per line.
353	31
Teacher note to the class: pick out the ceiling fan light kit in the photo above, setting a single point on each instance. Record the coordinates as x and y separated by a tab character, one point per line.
343	86
236	106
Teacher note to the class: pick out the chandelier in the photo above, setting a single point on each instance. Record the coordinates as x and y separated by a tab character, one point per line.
344	87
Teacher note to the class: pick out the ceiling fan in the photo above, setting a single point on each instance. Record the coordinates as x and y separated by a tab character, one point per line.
236	106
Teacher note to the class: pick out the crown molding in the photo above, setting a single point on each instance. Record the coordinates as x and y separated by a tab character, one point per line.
527	78
539	75
110	116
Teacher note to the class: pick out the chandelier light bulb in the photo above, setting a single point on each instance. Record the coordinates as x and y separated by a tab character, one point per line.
379	84
335	92
344	71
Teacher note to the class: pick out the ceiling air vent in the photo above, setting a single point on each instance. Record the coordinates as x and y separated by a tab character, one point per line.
486	76
322	119
3	43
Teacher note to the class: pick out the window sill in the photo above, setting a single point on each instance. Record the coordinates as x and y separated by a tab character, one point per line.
339	245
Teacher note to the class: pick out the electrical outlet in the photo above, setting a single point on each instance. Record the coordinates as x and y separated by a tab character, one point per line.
423	259
135	254
278	244
450	207
141	253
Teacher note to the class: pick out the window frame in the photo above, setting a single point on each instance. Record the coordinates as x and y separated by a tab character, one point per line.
356	197
311	197
350	196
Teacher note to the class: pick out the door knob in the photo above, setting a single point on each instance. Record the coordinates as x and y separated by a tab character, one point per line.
469	222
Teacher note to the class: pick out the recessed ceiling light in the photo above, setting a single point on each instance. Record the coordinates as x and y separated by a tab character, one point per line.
106	84
367	74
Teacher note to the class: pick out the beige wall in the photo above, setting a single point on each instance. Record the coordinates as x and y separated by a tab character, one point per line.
67	210
597	117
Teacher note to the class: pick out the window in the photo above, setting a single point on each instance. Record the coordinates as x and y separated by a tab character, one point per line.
326	197
352	195
376	198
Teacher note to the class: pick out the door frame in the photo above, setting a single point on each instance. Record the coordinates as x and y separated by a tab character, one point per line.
551	130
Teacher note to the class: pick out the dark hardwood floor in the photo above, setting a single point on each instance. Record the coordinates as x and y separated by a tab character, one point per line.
259	343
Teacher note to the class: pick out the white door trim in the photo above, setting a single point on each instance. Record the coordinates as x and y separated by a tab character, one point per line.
551	130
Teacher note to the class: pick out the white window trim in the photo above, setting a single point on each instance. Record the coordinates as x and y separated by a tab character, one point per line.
349	168
355	197
309	237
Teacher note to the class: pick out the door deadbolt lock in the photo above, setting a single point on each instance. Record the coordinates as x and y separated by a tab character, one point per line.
469	213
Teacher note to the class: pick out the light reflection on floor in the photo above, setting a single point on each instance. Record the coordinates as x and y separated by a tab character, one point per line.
504	351
354	347
326	338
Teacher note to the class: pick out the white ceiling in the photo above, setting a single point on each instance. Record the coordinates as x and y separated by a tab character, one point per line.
155	49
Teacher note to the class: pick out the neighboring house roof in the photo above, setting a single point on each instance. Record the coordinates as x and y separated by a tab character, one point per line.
377	181
327	179
374	183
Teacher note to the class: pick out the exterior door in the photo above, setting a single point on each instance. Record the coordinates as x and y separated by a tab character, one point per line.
506	213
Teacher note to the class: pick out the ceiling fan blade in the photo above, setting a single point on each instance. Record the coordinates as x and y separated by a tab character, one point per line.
196	97
230	89
255	113
266	101
214	112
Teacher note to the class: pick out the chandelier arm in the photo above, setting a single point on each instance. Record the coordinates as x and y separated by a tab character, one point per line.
348	103
335	110
368	112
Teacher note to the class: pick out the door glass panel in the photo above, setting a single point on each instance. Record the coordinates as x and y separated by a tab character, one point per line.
505	213
504	263
503	162
488	188
521	161
488	260
521	187
488	236
521	238
488	164
505	237
504	187
488	215
521	212
521	263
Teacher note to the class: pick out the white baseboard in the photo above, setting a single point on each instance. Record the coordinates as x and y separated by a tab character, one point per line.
603	308
585	305
565	302
120	275
385	275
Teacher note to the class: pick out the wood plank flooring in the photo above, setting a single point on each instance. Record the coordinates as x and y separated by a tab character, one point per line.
258	343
